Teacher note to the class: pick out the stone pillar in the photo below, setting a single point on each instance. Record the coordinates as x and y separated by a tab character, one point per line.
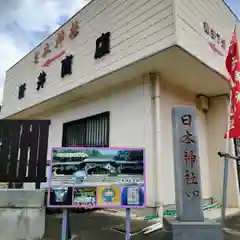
186	165
189	223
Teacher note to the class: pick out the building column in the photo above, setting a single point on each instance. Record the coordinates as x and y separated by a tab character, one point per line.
156	122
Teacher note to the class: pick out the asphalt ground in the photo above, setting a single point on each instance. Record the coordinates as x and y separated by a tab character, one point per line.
94	226
91	225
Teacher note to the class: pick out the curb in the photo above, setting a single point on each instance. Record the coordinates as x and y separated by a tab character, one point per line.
117	213
229	215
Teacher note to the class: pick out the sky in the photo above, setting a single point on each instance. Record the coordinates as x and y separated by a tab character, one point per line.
235	6
26	23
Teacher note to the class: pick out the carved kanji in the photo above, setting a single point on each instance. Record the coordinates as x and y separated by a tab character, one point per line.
59	39
46	49
74	30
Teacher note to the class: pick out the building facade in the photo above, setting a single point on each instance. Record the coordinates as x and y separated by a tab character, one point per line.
111	75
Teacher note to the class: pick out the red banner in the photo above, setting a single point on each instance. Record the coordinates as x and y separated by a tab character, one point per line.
233	67
51	60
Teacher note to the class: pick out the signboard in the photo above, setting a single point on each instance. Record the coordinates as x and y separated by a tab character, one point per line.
56	43
3	185
97	178
217	42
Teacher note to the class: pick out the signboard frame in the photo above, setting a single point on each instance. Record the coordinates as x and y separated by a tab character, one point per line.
114	190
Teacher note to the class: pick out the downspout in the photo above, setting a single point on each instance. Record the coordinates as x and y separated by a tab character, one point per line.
155	83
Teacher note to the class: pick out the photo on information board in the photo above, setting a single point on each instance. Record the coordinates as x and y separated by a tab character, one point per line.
97	178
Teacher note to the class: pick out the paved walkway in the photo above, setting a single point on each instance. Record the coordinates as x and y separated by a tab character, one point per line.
95	226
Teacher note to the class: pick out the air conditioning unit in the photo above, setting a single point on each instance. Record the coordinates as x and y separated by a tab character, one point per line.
202	103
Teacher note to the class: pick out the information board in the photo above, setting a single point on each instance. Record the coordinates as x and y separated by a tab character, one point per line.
3	185
97	178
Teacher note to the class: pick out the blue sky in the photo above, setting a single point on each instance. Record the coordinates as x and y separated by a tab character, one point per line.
25	23
235	6
109	151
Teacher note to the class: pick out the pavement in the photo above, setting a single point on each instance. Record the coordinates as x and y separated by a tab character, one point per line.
99	225
92	225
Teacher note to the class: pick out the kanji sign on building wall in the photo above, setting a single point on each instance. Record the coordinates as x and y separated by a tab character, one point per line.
217	43
56	43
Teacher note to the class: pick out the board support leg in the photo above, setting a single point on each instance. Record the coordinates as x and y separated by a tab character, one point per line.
128	224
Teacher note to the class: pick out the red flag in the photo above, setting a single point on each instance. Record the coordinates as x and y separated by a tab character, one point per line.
233	67
232	58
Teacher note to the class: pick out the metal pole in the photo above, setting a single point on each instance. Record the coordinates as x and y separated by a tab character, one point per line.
64	224
224	194
69	226
128	224
225	171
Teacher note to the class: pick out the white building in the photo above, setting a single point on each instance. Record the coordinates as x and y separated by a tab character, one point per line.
162	54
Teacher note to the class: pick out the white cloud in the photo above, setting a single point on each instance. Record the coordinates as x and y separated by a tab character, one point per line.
42	15
24	23
10	53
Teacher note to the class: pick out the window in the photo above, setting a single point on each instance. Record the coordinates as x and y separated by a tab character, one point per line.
92	131
237	152
237	146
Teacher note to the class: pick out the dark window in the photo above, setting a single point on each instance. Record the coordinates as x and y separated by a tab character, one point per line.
237	146
237	152
92	131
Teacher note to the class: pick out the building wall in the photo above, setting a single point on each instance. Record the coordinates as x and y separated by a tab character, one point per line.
131	125
190	15
130	107
210	133
217	122
138	29
173	96
130	120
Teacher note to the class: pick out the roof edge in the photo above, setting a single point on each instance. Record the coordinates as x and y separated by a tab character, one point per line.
70	19
233	13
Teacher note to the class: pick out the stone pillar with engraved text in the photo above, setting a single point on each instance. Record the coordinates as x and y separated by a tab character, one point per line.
189	223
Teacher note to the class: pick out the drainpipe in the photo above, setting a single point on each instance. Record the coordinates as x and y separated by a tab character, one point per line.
155	83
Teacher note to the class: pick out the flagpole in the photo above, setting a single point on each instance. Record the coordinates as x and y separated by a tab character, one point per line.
232	63
225	170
